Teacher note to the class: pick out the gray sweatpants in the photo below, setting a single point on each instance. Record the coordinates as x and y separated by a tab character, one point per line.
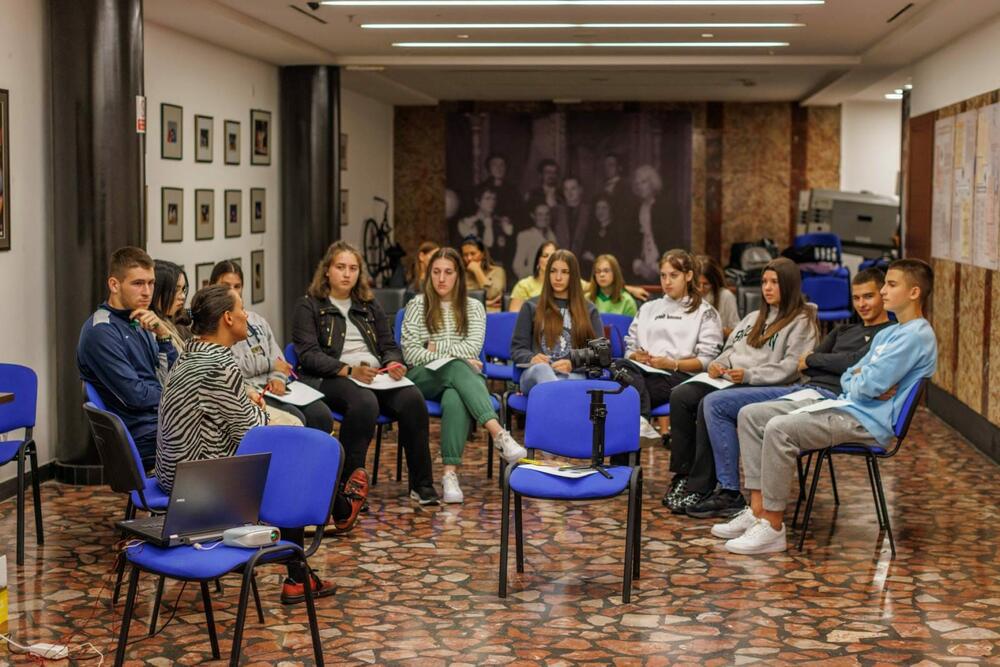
771	440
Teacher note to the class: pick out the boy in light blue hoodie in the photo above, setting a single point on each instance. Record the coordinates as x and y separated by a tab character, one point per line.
875	390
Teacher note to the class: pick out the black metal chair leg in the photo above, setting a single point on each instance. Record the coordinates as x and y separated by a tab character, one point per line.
218	585
637	552
504	536
802	485
833	480
156	605
256	597
311	613
811	497
378	454
629	540
489	456
399	456
241	617
871	483
36	487
518	533
882	503
20	507
133	584
206	600
119	574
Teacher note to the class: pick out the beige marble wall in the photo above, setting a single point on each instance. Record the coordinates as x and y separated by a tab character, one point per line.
419	176
970	346
943	321
823	149
993	411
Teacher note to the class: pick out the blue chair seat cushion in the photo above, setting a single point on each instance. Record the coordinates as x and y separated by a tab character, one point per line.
828	315
339	418
186	562
8	450
535	484
661	410
156	499
518	402
434	407
499	371
859	449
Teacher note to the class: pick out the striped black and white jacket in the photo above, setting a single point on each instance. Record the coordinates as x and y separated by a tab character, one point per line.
204	409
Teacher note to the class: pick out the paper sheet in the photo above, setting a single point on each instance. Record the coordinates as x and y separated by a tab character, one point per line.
648	368
803	395
557	472
718	383
944	172
383	382
298	393
827	404
962	200
438	363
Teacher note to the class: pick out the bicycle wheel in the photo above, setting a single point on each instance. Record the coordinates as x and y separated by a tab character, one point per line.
374	247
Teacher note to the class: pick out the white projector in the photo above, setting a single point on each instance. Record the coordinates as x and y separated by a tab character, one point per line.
251	537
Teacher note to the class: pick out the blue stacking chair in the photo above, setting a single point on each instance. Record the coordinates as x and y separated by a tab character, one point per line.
558	423
828	245
301	482
20	414
292	358
617	326
499	332
872	454
831	294
434	408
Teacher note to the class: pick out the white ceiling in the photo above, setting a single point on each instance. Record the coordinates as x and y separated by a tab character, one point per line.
848	49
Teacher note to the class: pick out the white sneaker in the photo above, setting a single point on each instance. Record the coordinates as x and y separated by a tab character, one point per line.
735	526
452	491
647	431
760	538
510	449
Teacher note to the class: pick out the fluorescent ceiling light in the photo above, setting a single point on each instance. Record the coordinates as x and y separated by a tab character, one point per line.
578	45
893	96
557	26
549	3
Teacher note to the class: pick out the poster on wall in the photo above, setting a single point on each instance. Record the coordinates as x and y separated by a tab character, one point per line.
256	276
203	131
592	182
961	194
233	211
172	215
985	227
232	129
171	132
260	127
202	274
204	215
258	210
4	170
944	145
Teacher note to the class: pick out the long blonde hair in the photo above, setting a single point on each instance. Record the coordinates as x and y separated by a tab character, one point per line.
320	285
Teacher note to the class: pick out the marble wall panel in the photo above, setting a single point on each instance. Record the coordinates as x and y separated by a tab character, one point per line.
943	319
419	176
970	346
823	148
993	386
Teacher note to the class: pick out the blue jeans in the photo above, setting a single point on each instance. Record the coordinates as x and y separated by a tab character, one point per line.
542	373
721	409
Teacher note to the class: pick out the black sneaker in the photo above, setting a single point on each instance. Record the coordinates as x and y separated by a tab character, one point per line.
676	491
719	503
684	501
425	495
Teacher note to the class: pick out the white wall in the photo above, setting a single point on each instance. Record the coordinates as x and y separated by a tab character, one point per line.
869	146
25	280
368	126
209	81
965	68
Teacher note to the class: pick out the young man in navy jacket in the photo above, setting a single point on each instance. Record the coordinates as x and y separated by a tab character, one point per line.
124	350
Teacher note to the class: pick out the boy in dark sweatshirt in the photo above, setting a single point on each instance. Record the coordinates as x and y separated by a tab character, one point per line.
125	351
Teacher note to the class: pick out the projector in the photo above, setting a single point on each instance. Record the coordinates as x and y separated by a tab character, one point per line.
251	537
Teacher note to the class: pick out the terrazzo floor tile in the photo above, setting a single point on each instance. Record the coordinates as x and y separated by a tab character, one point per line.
417	586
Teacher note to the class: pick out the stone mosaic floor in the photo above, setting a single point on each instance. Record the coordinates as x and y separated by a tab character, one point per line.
418	585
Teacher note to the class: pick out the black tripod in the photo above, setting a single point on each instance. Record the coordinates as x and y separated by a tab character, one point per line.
599	416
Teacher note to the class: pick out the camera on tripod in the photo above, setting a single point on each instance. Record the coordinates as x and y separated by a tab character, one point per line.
594	359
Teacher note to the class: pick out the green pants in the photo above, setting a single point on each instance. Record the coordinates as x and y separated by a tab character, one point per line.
461	390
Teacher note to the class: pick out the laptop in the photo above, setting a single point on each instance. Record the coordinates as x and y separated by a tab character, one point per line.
209	497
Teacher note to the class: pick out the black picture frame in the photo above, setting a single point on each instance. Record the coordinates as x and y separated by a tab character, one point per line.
233	227
260	137
231	149
171	131
202	275
204	138
204	231
258	210
256	276
171	215
4	170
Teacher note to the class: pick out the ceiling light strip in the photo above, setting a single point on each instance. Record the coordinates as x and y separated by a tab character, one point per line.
558	26
586	3
578	45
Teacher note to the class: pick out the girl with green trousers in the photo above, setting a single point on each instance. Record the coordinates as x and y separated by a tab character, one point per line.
443	323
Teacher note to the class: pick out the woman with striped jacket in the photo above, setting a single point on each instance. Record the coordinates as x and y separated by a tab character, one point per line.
443	324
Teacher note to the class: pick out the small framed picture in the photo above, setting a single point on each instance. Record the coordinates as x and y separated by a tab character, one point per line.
260	128
343	152
203	126
202	275
232	129
172	220
238	261
171	132
4	170
256	276
344	220
204	215
258	210
233	212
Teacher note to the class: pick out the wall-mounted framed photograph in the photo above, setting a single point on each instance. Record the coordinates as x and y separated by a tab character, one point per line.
172	215
232	141
4	170
238	261
344	220
256	276
260	144
343	151
258	210
202	275
203	138
204	215
233	212
171	132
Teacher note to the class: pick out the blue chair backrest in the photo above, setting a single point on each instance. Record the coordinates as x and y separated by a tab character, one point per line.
619	325
92	395
902	424
302	477
828	292
499	332
19	413
397	327
558	418
822	239
290	355
122	463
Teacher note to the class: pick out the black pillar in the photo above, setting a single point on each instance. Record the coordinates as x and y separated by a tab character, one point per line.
310	176
97	184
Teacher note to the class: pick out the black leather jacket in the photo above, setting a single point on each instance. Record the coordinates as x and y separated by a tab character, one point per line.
319	329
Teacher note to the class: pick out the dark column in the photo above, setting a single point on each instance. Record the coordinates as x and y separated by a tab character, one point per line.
97	183
714	117
310	176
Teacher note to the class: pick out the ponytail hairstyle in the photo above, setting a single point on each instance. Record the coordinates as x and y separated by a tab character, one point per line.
683	261
548	320
432	300
617	283
793	303
208	306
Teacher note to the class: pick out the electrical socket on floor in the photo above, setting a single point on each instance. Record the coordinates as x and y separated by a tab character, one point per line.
49	651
